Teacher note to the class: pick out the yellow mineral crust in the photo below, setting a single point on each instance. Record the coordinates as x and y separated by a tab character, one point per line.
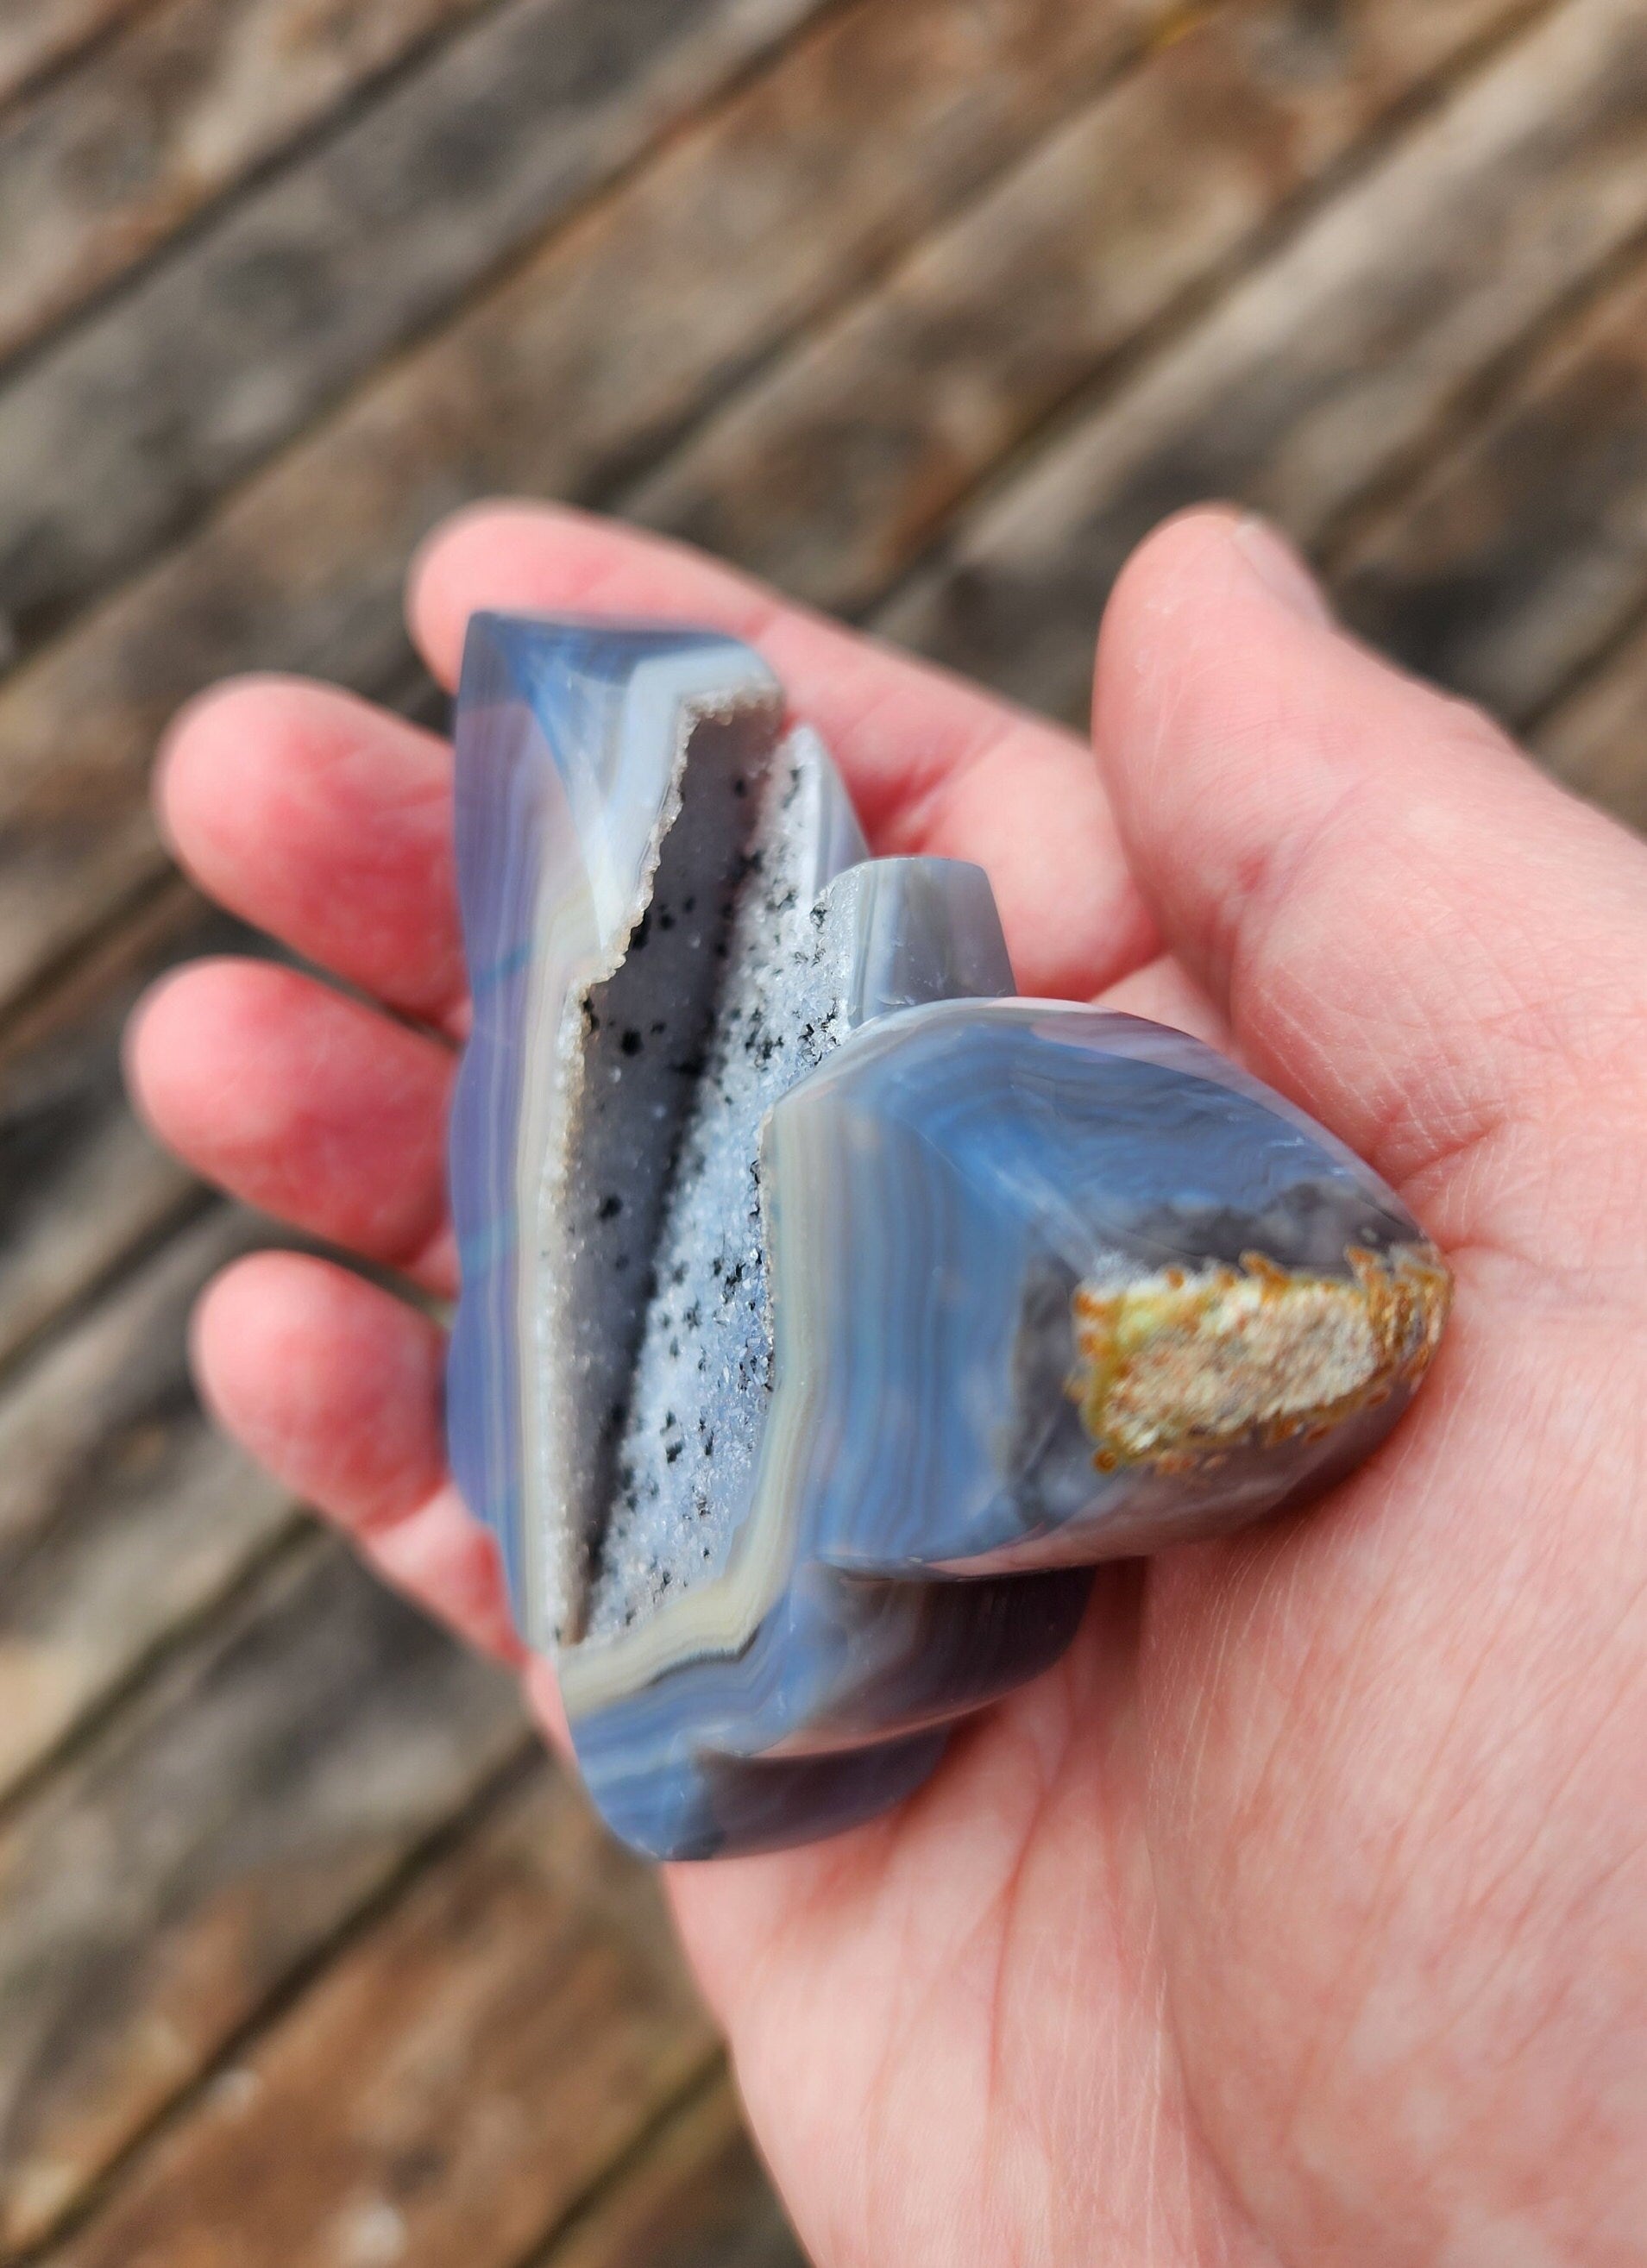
1177	1368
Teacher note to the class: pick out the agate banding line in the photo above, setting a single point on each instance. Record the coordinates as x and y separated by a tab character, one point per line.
806	1272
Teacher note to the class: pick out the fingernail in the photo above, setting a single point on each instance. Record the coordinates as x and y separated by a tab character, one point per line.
1281	570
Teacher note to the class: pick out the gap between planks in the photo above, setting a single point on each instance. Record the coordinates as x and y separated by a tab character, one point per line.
452	1833
57	36
215	1928
198	2163
709	489
187	157
1514	568
638	2202
287	1548
1492	391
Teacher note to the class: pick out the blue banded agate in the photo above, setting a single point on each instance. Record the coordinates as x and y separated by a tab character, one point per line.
828	1312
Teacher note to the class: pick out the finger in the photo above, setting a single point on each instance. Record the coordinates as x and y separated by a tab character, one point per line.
1408	926
305	1104
932	765
543	1698
334	1388
328	823
1163	992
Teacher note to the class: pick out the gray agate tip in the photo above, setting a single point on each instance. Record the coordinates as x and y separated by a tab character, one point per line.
828	1312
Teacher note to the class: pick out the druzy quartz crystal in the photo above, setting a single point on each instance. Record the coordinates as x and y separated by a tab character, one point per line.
829	1312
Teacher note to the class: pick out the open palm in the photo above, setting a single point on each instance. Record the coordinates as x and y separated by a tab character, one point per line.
1301	1913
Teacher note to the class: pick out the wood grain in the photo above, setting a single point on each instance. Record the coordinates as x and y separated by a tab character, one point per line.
122	1512
37	35
110	441
81	1183
830	474
451	2085
302	568
1596	738
108	160
1525	551
1331	367
260	1791
698	2197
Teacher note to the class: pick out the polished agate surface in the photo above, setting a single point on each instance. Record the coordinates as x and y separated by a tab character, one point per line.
828	1312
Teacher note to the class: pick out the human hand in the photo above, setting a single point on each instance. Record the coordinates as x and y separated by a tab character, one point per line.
1300	1914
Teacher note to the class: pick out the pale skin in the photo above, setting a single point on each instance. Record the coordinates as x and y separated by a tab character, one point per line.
1300	1914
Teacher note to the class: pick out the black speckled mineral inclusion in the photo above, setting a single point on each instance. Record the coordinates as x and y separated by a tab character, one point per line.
633	1065
703	1377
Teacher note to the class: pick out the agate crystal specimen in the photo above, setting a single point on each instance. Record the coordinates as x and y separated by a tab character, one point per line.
828	1312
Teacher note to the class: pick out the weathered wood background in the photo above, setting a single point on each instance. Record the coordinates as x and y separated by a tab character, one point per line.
925	308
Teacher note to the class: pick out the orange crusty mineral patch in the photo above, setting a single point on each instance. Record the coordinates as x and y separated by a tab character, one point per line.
1175	1369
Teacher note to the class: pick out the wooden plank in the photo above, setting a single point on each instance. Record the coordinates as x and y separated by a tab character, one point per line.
828	475
1596	739
113	439
81	1183
207	1846
302	568
109	442
699	2197
1525	552
37	35
450	2083
108	160
1331	367
122	1512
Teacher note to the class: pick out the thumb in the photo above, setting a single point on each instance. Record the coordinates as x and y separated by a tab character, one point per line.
1410	929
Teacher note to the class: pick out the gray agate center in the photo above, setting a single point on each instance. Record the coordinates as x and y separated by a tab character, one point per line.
703	1373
